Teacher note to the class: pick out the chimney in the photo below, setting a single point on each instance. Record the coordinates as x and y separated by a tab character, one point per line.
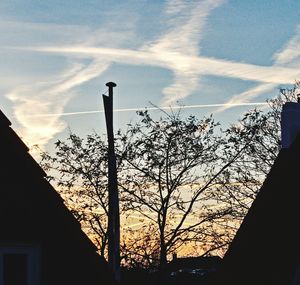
290	123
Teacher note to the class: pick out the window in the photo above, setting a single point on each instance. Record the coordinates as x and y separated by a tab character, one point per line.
19	265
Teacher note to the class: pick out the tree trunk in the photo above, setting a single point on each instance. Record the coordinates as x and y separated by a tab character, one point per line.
163	255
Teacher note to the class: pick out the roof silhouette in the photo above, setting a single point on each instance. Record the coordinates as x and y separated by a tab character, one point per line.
33	214
266	248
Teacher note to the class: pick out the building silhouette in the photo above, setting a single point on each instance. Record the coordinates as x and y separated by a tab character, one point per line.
41	242
266	248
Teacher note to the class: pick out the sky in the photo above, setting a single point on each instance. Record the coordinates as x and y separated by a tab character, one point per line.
211	56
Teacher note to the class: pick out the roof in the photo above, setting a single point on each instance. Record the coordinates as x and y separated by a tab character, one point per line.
266	248
32	212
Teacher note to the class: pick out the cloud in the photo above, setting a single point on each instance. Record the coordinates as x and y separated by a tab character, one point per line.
49	97
290	52
287	58
178	50
53	89
175	6
187	72
48	33
198	65
89	52
246	96
41	115
187	20
41	33
183	86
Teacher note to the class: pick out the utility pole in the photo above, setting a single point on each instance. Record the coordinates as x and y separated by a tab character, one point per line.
113	196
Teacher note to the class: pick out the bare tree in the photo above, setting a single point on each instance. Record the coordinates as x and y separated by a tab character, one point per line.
140	247
80	171
259	133
188	185
169	167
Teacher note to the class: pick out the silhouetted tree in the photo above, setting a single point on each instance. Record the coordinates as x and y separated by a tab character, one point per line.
186	183
79	169
170	167
259	133
140	247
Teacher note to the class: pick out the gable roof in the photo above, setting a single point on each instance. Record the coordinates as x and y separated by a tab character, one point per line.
266	248
33	213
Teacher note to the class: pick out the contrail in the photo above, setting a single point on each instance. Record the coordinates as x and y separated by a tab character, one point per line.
151	108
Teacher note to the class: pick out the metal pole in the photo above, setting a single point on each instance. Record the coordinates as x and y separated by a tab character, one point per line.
113	196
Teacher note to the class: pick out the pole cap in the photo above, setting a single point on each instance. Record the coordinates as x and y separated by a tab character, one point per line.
111	84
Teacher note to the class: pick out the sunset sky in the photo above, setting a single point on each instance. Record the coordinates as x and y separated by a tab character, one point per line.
56	56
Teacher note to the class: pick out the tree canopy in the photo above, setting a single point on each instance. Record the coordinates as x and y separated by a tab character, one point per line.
169	165
259	133
183	182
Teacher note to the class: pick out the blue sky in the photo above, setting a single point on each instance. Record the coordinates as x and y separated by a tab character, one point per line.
56	56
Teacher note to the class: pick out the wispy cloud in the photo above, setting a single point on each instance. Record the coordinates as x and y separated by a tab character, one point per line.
54	89
187	70
89	52
198	65
148	108
290	52
175	50
174	7
187	22
49	97
246	96
287	57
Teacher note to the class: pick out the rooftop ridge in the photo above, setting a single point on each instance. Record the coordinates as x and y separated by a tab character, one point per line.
4	121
